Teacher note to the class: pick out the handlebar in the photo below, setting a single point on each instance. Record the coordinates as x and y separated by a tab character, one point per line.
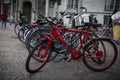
47	19
83	12
84	9
51	21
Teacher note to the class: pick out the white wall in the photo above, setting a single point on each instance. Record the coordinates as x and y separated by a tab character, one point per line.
93	6
96	7
62	8
63	5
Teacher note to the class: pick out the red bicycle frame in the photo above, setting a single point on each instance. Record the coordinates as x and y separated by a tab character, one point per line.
54	32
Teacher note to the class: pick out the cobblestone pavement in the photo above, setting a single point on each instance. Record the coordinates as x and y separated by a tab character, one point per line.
13	55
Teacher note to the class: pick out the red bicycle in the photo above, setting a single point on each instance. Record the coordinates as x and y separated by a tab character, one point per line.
94	56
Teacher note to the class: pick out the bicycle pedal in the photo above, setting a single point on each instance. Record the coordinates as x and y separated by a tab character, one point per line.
68	59
65	57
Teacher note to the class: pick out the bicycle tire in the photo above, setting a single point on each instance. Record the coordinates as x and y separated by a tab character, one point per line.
109	58
32	56
21	35
31	31
16	28
28	33
35	36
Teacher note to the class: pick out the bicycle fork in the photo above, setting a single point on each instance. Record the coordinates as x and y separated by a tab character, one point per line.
49	42
98	53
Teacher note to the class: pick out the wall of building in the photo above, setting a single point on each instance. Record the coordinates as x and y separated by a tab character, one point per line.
57	8
33	7
63	8
63	5
38	7
95	7
4	6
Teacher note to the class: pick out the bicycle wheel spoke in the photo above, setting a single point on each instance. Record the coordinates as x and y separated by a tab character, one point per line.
108	57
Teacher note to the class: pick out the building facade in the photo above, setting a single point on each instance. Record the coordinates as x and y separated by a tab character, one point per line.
31	8
102	9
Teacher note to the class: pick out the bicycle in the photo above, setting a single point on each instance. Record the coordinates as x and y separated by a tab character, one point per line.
17	26
35	37
92	51
74	39
38	34
28	29
106	31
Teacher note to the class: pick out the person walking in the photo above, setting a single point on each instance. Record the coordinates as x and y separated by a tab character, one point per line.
4	19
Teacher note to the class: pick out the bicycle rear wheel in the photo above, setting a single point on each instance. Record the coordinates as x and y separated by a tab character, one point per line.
37	58
108	58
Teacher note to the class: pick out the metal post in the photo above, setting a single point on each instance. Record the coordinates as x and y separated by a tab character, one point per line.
55	8
46	8
17	2
11	10
17	9
36	9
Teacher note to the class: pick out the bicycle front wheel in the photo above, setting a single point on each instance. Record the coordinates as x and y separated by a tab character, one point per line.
34	39
16	28
108	58
21	35
38	57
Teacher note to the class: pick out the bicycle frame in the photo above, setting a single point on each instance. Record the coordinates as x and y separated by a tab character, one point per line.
76	54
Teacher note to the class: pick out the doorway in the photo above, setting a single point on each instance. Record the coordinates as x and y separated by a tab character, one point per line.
27	7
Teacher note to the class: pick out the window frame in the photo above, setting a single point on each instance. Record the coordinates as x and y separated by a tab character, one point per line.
111	5
72	4
107	19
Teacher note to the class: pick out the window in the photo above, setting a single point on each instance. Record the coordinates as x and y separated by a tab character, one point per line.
118	4
72	4
111	4
53	1
107	19
76	3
